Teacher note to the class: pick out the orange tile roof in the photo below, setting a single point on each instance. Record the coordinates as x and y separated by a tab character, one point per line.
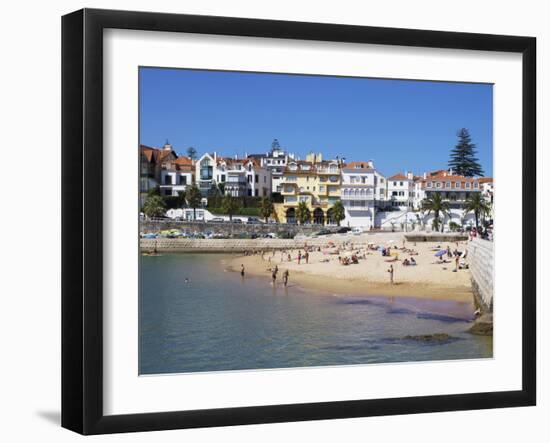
398	176
485	180
183	161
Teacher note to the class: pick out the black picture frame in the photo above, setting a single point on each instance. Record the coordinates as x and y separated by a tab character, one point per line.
82	218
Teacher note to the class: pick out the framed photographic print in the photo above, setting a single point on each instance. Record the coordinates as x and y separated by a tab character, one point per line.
269	221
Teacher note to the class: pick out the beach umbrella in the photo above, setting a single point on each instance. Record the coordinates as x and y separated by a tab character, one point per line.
440	253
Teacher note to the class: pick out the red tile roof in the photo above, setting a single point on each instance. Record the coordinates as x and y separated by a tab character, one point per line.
398	176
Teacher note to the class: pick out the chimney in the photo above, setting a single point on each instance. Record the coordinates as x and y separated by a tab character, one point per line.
215	156
451	171
425	175
410	175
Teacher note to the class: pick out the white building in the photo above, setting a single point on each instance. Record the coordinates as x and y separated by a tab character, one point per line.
243	177
363	193
275	161
401	190
176	175
204	172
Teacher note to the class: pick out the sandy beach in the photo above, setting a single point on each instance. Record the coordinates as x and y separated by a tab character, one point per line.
429	278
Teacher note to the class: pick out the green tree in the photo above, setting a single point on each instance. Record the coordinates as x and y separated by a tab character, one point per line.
437	205
154	206
191	153
230	205
463	156
266	208
193	197
302	213
154	191
476	203
338	212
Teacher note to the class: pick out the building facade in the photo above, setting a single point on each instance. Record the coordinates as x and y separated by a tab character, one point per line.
401	191
176	175
275	161
314	182
243	177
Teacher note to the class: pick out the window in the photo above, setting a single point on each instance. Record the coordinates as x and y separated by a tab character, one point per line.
429	184
183	180
395	183
167	180
400	183
438	185
223	178
447	184
256	178
468	185
206	172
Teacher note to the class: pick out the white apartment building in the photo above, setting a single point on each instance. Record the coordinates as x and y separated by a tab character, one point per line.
176	175
275	161
401	190
243	177
363	193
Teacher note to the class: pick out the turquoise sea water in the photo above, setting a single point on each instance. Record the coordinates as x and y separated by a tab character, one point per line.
218	321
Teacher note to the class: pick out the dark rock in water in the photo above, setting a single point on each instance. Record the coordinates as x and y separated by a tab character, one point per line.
483	325
430	338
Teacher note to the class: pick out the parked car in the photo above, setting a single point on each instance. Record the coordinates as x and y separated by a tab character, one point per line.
343	230
217	220
236	220
253	221
357	230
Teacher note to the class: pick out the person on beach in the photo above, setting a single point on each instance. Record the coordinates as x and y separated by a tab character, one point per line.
242	270
274	275
285	277
390	270
457	263
299	256
289	257
306	256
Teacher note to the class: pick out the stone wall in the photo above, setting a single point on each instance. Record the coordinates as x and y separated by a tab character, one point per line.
227	228
481	261
418	236
229	245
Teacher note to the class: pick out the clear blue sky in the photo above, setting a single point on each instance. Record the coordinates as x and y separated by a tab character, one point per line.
401	125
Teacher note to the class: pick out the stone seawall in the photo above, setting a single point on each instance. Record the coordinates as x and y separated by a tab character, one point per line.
228	245
481	260
228	229
435	237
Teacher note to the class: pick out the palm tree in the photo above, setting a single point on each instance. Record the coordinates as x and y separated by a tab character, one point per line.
338	212
193	197
266	207
230	205
302	213
476	203
154	206
437	205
